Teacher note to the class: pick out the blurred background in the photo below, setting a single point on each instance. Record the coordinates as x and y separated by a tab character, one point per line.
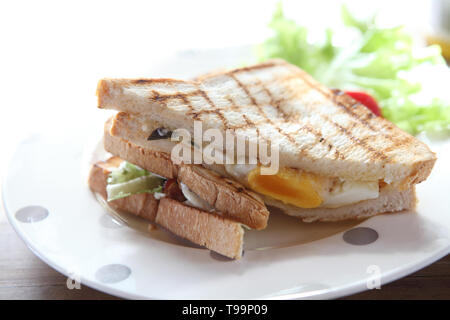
53	52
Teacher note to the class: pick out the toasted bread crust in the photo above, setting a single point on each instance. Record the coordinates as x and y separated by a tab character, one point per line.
390	200
214	232
153	161
319	130
206	229
230	198
419	172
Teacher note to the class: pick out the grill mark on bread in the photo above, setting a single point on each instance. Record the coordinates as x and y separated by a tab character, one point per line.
273	102
157	97
170	96
318	139
322	140
303	150
370	115
340	99
390	148
145	81
402	142
250	123
206	97
264	115
347	104
254	102
214	109
398	141
247	92
196	115
252	68
362	143
185	100
347	100
162	98
239	189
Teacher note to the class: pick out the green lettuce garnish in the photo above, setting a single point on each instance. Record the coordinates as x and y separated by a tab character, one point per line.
379	61
128	179
126	172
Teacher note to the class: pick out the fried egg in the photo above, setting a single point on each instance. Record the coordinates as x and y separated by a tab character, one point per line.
304	189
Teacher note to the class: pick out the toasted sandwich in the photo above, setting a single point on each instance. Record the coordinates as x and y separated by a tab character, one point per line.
337	160
200	227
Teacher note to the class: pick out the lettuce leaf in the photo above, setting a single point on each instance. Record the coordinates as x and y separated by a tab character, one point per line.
290	43
128	179
378	61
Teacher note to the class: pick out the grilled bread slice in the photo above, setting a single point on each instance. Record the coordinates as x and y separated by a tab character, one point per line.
229	198
203	228
318	130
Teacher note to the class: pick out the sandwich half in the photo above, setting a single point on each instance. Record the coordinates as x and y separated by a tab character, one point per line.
337	160
191	202
203	228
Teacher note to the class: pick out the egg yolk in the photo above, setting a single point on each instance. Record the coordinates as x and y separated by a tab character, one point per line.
289	185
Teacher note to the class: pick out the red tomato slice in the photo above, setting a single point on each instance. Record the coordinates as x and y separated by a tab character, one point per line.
366	100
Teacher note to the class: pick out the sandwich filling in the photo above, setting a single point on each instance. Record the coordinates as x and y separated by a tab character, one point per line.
291	185
193	200
304	189
128	179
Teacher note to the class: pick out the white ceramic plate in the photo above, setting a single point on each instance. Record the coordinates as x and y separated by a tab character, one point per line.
48	203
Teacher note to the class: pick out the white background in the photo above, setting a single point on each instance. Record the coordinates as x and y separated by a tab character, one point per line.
53	52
